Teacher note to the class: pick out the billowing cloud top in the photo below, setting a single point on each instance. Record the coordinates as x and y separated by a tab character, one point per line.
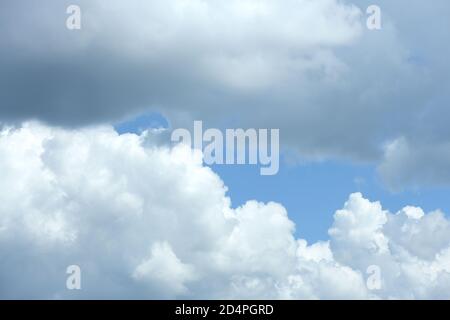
144	221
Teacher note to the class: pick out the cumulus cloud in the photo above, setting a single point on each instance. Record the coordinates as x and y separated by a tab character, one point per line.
147	221
309	68
136	55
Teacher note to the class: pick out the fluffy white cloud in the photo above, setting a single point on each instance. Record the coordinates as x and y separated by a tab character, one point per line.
165	268
144	221
408	247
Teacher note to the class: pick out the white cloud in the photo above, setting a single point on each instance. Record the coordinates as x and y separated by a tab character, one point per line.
144	221
165	270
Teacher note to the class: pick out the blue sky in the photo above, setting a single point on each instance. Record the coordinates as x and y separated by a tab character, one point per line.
312	191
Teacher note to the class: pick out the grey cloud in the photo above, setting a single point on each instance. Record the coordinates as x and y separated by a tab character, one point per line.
309	68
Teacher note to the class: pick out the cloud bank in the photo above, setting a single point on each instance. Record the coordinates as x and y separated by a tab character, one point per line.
174	55
146	221
309	68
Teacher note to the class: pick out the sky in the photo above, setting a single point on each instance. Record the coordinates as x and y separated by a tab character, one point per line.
91	178
298	185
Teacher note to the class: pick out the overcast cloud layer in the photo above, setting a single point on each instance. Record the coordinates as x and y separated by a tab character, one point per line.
310	68
151	222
